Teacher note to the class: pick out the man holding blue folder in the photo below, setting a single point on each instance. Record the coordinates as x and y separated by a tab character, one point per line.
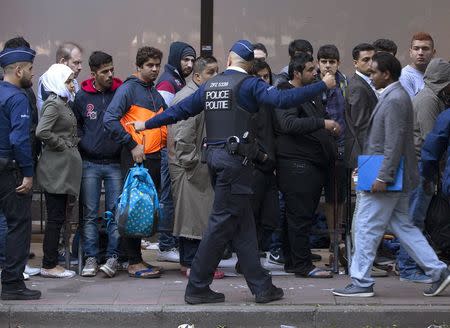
390	135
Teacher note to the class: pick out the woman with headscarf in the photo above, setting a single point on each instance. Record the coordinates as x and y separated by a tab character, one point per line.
59	167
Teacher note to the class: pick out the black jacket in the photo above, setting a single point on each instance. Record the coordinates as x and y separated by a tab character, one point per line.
300	134
89	107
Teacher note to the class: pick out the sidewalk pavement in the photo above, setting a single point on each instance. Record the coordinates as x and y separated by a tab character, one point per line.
130	302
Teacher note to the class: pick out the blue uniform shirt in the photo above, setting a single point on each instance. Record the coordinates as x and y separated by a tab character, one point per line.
15	120
253	93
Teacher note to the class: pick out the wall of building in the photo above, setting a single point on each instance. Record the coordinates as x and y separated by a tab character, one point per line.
120	27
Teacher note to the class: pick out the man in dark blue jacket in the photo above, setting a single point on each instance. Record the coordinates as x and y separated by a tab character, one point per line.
101	161
228	99
437	144
16	168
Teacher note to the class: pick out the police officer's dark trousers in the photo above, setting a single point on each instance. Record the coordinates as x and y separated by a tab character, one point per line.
17	210
231	219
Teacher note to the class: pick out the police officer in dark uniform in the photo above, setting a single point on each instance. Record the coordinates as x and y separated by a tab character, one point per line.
16	168
229	99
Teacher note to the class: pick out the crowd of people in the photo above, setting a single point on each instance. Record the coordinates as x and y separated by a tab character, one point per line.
240	159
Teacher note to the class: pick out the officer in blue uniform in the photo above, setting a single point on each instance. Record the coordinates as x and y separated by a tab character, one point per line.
16	168
228	100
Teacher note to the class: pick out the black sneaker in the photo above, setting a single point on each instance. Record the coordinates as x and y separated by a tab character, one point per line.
276	257
21	294
269	295
354	291
437	287
207	296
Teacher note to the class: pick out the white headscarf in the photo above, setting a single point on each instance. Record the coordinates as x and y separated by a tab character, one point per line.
54	80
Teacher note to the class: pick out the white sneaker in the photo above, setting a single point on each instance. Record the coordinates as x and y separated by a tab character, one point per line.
90	268
32	271
54	273
171	255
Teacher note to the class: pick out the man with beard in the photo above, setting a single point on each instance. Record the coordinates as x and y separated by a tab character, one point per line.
101	161
178	68
16	168
70	54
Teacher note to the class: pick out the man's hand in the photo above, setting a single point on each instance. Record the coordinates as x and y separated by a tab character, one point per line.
330	80
333	127
138	154
25	187
379	186
138	125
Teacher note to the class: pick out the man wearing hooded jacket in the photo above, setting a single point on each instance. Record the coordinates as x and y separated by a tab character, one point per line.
427	105
137	98
178	68
101	161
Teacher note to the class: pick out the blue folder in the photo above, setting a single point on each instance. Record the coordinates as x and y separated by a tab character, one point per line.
368	168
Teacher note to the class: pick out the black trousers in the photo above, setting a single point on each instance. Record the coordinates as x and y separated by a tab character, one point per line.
301	183
188	248
17	210
265	205
132	246
56	216
231	219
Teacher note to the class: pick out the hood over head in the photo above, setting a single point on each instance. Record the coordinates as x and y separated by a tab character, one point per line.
437	75
177	51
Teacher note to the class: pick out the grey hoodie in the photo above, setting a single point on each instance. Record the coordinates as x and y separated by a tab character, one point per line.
427	104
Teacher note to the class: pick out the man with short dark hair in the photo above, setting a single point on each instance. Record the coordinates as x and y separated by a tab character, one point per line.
362	99
70	54
16	168
295	47
333	101
137	98
304	150
390	135
101	162
385	45
421	52
260	51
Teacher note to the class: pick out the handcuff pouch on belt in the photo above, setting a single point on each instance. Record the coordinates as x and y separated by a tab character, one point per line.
7	164
250	150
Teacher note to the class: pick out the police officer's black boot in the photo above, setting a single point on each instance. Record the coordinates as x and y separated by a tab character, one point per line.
204	296
22	294
269	295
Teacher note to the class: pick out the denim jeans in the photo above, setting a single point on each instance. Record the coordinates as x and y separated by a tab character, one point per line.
418	206
91	185
376	213
3	232
166	240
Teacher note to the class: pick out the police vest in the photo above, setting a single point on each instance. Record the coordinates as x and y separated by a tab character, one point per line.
224	117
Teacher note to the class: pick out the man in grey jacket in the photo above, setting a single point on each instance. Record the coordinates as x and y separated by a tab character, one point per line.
390	135
427	105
